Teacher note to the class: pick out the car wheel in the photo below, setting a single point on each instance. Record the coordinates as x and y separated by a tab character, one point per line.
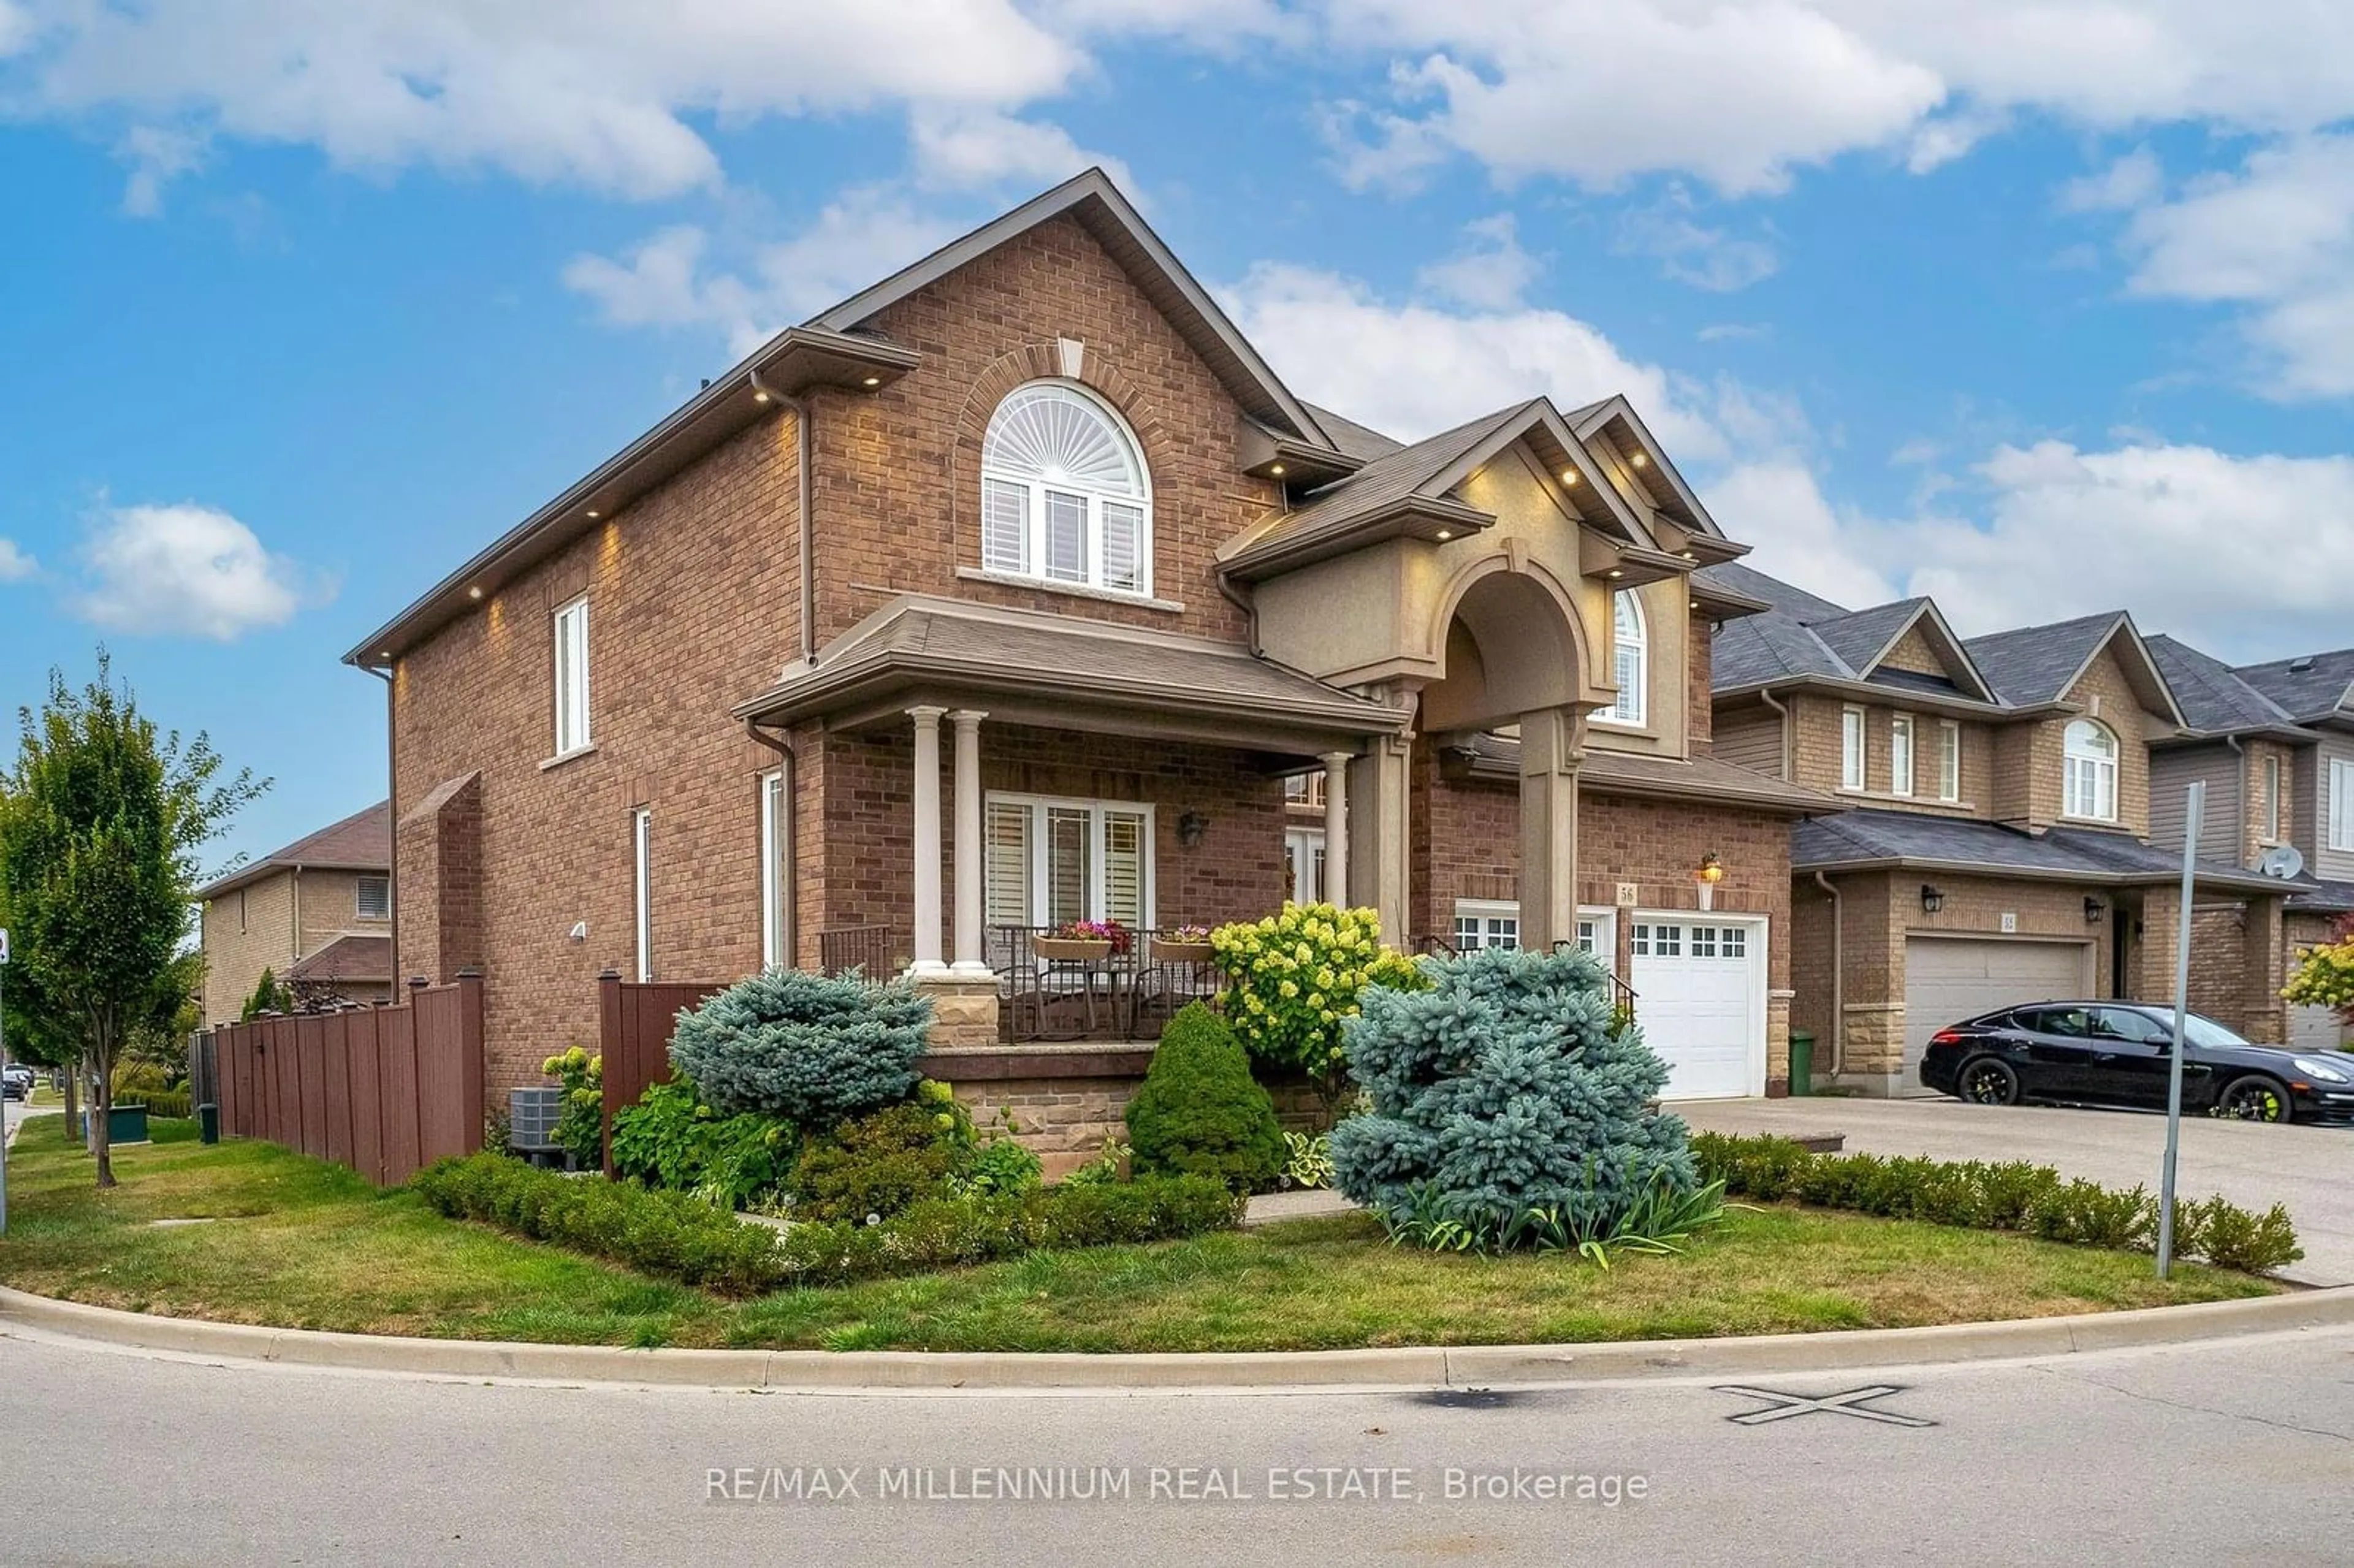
2254	1099
1987	1081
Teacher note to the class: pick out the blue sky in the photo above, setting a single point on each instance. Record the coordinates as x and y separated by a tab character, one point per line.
2041	309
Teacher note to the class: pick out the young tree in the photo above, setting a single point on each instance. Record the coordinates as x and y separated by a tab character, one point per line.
101	824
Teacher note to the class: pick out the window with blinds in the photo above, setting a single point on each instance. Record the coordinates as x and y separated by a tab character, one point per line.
1064	491
1049	861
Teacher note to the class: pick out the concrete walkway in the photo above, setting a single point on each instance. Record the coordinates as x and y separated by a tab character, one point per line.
2310	1168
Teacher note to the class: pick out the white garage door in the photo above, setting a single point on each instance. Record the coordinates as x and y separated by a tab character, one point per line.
2316	1028
1699	985
1948	979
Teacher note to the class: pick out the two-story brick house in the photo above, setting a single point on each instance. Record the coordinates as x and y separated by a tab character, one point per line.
2000	845
2275	745
316	914
1018	589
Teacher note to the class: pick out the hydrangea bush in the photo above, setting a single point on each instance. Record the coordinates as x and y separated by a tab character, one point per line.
1293	980
814	1049
1502	1090
2325	976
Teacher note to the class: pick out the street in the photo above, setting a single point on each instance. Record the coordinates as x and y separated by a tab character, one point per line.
2234	1452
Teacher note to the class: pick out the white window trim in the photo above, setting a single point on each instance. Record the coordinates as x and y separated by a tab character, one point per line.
776	830
2341	804
641	870
1854	729
1949	761
1632	708
1483	911
2100	774
573	724
359	904
1900	754
1304	850
1033	567
1037	805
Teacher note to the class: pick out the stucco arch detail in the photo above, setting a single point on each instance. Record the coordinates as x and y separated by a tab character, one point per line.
1521	626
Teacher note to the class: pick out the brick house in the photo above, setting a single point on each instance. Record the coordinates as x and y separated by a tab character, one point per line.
2001	845
2275	745
317	913
1018	589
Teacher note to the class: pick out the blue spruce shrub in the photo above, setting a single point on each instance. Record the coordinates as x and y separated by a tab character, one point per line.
814	1049
1503	1088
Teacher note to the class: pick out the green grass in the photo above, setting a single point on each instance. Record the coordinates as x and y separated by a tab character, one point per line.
296	1243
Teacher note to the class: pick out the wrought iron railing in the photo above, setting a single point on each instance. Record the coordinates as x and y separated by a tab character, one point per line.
875	951
1045	993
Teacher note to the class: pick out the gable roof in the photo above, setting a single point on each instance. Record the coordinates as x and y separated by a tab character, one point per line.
1803	636
2310	686
1656	481
1862	639
2213	697
2038	664
1360	442
361	842
1787	597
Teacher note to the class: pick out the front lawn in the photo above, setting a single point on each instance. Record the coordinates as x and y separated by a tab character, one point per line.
292	1242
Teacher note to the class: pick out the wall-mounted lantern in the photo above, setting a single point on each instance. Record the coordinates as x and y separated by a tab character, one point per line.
1932	900
1711	873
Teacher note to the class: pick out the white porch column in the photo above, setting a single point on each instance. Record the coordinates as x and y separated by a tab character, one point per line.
928	842
971	960
1336	827
1551	746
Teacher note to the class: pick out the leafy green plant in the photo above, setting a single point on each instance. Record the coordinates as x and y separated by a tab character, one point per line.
1308	1160
1109	1166
880	1164
2012	1195
1199	1112
2325	975
1502	1090
1663	1220
668	1140
580	1124
814	1049
269	996
999	1166
1295	977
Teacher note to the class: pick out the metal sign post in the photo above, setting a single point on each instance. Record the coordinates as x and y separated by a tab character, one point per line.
2195	809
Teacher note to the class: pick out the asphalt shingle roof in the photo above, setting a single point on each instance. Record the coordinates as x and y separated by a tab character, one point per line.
1791	601
2321	688
1385	480
2213	697
1867	837
361	842
1861	637
2035	663
1360	442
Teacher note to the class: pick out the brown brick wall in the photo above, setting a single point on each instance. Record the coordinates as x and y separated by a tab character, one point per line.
1913	653
1985	750
2105	686
2255	835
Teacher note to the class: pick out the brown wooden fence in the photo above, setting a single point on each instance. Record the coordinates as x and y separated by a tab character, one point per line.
385	1090
633	1029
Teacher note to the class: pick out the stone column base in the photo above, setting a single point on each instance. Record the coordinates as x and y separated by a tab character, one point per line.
964	1012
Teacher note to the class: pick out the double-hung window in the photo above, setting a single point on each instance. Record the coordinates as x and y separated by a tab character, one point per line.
572	678
2341	805
775	827
1900	755
641	870
1065	496
1949	761
1850	749
1049	861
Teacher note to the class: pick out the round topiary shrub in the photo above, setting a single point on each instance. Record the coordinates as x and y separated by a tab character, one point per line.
1200	1112
1503	1089
814	1049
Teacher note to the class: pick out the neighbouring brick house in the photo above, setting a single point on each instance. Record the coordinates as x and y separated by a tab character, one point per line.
2005	843
1017	589
316	914
2275	745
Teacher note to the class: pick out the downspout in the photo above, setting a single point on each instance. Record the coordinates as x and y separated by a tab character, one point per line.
799	409
1784	712
392	827
788	895
1838	977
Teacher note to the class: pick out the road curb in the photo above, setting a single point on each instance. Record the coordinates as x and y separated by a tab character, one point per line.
1470	1366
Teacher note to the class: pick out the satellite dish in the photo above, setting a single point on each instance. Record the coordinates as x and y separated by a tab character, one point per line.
2284	862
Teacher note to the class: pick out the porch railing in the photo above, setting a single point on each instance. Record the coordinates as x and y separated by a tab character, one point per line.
875	951
1129	993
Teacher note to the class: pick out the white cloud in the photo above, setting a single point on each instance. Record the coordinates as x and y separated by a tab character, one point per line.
187	569
157	155
15	564
597	92
1490	273
963	149
1689	251
863	236
2134	180
1776	506
1735	331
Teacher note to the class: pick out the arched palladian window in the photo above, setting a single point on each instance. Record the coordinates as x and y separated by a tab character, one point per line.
1064	491
2090	786
1630	659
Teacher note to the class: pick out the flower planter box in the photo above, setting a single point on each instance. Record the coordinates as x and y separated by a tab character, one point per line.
1071	948
1184	952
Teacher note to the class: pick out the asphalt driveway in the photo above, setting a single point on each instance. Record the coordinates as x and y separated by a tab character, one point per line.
2310	1168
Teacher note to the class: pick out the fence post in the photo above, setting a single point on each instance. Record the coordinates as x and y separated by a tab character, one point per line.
470	1027
609	1048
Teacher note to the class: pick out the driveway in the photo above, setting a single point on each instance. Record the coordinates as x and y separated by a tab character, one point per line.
2310	1168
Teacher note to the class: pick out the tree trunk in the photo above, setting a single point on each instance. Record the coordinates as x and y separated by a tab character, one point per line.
101	1104
89	1089
72	1076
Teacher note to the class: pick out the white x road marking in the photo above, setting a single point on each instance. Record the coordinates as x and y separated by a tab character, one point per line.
1781	1407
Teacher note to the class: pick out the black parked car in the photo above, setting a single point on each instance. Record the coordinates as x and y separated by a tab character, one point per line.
2115	1053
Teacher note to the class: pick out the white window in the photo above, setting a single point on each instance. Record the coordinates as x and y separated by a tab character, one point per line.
1484	922
572	677
1734	941
2272	800
1589	937
1304	789
1630	659
2090	782
776	829
1900	755
1949	761
2341	805
1703	941
1063	492
1852	748
1658	941
373	898
642	863
1303	855
1052	861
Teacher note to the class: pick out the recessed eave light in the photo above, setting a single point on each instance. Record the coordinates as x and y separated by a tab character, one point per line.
1569	476
593	514
1276	469
875	381
475	592
1616	574
1641	461
758	396
1445	534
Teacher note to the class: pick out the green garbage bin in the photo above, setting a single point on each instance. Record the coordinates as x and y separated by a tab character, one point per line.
1802	1062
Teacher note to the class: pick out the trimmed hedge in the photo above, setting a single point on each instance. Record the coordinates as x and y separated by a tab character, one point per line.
678	1237
1199	1112
2010	1195
162	1103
